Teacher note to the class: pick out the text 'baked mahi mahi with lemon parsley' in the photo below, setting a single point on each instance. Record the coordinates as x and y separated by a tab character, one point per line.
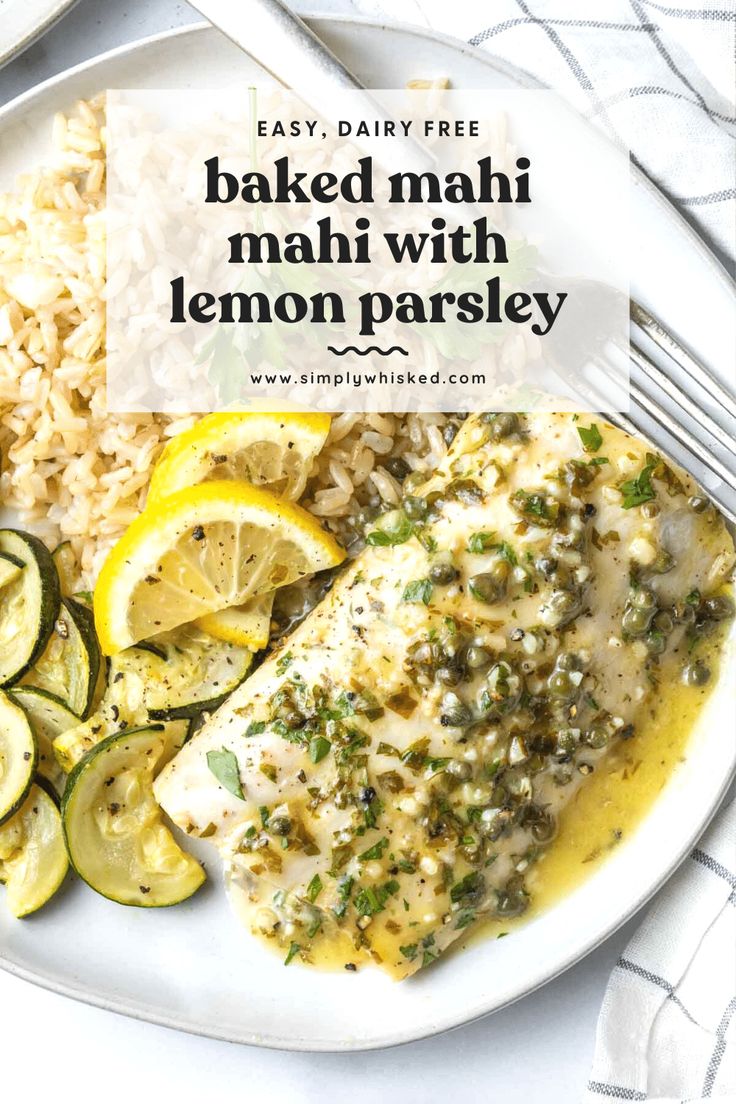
390	775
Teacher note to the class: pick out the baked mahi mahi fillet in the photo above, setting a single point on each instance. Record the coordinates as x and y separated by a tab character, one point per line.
390	773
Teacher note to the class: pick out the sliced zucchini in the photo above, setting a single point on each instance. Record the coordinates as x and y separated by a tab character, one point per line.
115	834
33	858
10	569
70	746
67	567
29	607
18	757
70	665
179	673
248	626
49	718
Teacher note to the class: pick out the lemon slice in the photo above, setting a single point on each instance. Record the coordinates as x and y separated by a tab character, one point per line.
274	451
247	626
206	548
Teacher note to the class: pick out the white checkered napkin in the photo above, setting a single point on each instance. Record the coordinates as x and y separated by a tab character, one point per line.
667	1028
659	73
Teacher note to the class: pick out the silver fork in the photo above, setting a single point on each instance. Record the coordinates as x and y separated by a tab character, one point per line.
696	428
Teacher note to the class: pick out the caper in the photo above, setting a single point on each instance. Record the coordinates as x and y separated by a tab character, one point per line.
566	743
490	586
643	599
502	822
280	825
415	508
449	433
513	900
655	642
478	657
696	674
718	608
547	565
683	613
578	476
698	503
560	685
597	736
443	572
455	714
650	510
449	676
503	425
663	562
635	622
292	718
460	770
413	481
465	490
543	825
397	467
568	661
564	606
663	622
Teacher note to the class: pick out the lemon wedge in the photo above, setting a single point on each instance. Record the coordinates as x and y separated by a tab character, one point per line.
247	626
273	451
204	549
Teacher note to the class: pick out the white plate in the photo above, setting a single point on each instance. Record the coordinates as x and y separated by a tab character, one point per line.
23	21
193	967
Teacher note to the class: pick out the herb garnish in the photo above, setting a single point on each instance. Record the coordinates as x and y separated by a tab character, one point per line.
374	852
418	590
318	748
639	490
590	437
294	950
224	766
314	889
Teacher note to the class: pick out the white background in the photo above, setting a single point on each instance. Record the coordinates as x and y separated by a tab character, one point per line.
536	1052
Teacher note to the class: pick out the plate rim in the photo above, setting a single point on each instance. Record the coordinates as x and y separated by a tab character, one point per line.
56	10
138	1010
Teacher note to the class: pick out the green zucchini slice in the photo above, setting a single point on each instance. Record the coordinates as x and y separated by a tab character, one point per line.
70	665
179	673
115	833
18	757
33	859
49	718
10	569
66	566
29	607
114	716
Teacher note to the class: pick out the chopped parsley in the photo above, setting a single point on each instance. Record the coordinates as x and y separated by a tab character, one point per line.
590	437
418	590
318	748
639	490
224	766
294	950
374	852
314	889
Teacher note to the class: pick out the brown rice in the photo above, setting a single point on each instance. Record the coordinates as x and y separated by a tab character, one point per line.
70	469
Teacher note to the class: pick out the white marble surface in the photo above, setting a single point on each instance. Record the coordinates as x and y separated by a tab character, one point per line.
536	1052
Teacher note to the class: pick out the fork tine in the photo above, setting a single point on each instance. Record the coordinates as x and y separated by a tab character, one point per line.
683	436
660	378
666	342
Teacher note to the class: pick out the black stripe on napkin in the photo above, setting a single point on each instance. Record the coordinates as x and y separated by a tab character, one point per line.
617	1092
701	856
655	979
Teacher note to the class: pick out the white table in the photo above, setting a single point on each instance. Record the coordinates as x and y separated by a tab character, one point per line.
536	1052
